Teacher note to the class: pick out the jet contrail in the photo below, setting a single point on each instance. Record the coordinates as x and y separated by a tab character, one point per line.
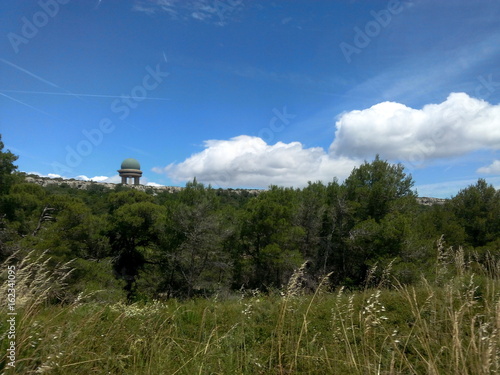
27	105
78	95
30	74
34	76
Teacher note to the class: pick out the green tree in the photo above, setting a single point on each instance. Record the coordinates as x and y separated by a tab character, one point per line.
477	208
22	207
73	232
311	210
7	168
118	199
379	202
337	220
135	235
271	238
372	187
194	258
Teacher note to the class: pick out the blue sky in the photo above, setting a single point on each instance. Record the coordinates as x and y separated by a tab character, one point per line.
244	93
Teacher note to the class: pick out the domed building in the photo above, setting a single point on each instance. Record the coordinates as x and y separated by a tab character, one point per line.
130	169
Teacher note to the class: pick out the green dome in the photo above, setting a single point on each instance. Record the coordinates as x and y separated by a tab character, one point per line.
130	164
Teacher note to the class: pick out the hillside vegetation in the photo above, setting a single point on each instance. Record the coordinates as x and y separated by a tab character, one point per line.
343	278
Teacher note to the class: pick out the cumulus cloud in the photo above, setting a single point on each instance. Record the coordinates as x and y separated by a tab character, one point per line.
248	161
396	132
457	126
493	168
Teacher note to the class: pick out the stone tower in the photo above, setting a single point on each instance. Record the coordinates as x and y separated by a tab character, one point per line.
130	169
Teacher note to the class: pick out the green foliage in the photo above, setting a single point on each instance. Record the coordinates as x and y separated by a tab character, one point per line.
271	237
477	209
373	187
202	241
342	241
192	259
135	233
95	280
447	326
7	168
119	198
23	205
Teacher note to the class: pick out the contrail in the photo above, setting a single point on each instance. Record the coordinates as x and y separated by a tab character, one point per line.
27	105
30	74
84	95
34	76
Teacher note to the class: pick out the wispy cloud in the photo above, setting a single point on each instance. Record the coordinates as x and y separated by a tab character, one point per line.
218	12
415	78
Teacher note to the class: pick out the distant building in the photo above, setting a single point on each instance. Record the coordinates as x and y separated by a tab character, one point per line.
130	169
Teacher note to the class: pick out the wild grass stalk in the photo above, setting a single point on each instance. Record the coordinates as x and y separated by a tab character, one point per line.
449	325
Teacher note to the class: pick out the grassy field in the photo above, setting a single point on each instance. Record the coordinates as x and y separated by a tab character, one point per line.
449	325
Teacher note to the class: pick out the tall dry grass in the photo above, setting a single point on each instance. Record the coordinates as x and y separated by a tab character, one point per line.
448	325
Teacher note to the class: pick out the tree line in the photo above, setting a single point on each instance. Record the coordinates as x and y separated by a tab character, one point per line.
125	243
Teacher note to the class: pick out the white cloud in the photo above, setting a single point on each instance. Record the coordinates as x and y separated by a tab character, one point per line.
246	161
453	128
457	126
50	175
116	179
100	178
493	168
113	179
